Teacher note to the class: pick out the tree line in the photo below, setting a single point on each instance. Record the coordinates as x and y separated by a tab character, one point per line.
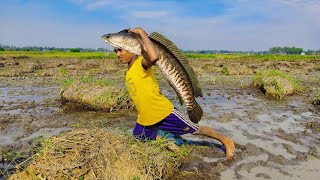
38	48
292	50
273	50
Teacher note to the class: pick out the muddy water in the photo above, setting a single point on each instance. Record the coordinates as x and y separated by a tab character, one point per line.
271	138
24	111
33	111
272	142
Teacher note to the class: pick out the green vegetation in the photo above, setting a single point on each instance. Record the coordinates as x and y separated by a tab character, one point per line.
74	50
285	50
63	72
205	56
65	83
279	57
276	83
57	54
224	71
40	48
312	52
99	94
112	55
316	100
12	157
99	81
1	49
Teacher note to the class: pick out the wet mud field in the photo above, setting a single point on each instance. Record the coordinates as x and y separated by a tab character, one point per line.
274	139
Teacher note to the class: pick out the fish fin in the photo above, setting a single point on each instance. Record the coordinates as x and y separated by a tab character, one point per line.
196	113
182	59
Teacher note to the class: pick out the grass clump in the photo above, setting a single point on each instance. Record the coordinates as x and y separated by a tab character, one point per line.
224	71
97	154
236	69
9	159
95	93
316	99
276	83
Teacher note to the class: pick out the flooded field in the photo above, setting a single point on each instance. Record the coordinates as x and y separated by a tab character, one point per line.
274	139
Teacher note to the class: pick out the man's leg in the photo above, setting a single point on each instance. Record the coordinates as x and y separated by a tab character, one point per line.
144	132
176	123
227	142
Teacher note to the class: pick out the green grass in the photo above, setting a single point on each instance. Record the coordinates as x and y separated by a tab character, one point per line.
161	145
316	100
63	71
224	71
58	54
66	82
267	57
278	57
205	56
112	55
259	80
11	157
101	82
272	73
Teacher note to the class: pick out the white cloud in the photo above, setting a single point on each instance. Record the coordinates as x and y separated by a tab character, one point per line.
245	25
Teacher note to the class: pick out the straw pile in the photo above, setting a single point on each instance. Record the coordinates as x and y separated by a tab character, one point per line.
95	95
275	83
97	154
237	69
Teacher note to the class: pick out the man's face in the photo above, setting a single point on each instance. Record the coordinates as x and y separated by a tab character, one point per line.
124	56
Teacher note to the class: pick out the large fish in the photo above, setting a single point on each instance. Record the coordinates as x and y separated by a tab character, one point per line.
171	63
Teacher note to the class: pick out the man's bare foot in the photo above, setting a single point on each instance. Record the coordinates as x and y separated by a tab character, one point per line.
227	142
230	149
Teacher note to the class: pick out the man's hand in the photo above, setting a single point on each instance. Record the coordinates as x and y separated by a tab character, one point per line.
149	53
138	30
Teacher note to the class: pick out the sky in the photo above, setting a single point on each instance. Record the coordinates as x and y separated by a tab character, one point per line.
242	25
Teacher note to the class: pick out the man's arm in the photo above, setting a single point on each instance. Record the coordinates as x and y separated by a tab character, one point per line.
149	53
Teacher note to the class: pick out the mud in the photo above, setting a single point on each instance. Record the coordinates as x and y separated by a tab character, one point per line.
274	139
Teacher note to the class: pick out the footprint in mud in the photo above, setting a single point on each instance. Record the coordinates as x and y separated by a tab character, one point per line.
208	160
263	175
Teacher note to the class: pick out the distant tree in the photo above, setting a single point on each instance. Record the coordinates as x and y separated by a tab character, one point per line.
275	50
74	49
310	52
285	50
1	49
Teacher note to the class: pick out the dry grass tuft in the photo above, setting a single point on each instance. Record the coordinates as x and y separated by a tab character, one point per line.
95	93
276	83
97	154
236	69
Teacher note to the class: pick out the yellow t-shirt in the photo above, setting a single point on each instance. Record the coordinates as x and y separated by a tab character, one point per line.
144	91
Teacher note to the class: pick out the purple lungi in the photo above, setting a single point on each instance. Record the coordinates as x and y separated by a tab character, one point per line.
176	123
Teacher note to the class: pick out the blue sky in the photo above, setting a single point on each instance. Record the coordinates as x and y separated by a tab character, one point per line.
191	24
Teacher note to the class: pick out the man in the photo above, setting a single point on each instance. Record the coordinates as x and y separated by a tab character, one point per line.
156	114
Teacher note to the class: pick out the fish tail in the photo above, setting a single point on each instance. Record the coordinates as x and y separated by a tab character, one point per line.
195	113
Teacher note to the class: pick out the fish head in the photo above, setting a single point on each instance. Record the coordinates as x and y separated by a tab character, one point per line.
124	40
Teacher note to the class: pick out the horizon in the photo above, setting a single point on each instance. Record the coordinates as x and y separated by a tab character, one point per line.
234	25
111	49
